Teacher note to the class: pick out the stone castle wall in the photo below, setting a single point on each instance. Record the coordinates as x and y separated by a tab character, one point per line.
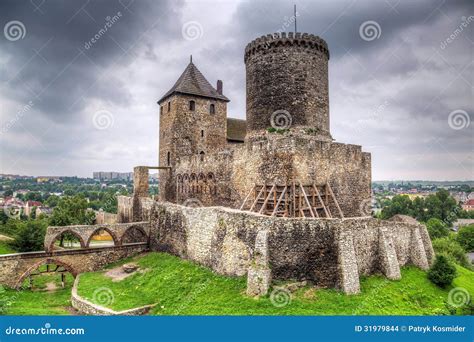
102	217
278	158
329	252
124	209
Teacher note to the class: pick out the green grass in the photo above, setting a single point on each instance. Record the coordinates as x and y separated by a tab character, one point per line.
40	282
28	302
181	287
465	279
5	248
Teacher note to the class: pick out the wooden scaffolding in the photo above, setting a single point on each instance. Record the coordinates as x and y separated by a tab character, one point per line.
48	269
293	200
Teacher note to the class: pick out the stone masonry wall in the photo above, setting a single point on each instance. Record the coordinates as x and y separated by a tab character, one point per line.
287	72
185	132
281	158
16	267
329	252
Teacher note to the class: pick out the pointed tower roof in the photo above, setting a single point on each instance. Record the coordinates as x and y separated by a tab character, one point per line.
192	82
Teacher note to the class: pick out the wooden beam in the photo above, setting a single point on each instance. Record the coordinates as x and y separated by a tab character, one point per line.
256	199
246	198
307	200
279	201
328	215
267	199
335	200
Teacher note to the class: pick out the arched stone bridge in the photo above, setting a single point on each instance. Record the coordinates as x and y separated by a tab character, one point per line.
85	233
15	268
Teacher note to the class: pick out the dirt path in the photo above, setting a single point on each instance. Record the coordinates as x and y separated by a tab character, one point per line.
5	238
117	274
51	286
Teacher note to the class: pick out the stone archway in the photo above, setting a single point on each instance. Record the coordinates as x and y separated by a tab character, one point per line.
53	240
130	229
33	268
111	233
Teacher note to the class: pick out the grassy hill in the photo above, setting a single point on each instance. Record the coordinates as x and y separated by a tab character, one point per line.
181	287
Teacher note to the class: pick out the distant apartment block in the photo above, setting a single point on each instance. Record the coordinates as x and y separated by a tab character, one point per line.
128	176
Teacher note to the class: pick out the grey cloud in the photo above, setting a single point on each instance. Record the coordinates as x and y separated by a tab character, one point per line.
63	70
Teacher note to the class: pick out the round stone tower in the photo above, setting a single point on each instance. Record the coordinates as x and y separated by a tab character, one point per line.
287	83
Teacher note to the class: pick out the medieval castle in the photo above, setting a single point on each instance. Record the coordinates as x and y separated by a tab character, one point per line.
282	156
271	197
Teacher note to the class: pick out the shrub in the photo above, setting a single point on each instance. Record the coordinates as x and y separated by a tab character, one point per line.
436	228
451	249
30	236
465	237
443	272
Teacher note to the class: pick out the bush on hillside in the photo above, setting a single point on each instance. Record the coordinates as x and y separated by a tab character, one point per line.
443	272
30	236
437	228
465	237
451	249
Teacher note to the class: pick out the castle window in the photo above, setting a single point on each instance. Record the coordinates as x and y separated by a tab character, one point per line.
168	158
161	109
169	106
201	155
192	105
202	133
212	109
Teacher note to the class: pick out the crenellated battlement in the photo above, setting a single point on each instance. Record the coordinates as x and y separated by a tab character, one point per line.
284	39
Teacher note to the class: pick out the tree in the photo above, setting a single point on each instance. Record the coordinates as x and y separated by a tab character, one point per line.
3	217
52	201
400	204
30	236
465	237
70	211
451	249
436	228
440	205
443	272
33	196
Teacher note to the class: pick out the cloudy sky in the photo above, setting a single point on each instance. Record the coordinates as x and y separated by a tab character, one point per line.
401	77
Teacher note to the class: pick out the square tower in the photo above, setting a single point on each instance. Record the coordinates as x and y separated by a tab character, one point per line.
193	121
